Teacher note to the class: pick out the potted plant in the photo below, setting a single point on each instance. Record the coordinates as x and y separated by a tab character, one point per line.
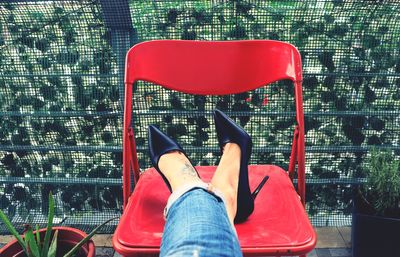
376	209
50	241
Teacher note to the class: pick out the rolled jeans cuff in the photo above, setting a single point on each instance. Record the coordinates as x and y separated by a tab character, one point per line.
186	188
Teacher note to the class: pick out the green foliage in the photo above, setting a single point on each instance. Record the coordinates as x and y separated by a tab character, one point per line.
46	241
50	56
383	186
339	43
58	59
12	230
32	246
53	247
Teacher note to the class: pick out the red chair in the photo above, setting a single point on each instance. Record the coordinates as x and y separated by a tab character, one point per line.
279	225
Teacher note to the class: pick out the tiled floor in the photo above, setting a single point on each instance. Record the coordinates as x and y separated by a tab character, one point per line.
333	252
332	242
320	252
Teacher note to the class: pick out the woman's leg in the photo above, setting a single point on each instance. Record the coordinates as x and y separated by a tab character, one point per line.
197	225
197	220
226	177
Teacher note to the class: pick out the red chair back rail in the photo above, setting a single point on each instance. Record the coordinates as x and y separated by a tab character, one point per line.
213	68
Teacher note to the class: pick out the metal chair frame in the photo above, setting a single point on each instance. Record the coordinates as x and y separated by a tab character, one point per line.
211	68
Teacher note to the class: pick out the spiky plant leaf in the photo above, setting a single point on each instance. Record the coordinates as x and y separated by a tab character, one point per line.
12	230
38	239
28	251
31	242
46	240
83	241
53	246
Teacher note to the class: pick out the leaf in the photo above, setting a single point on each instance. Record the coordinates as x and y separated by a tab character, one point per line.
31	242
370	41
311	83
83	241
374	140
53	246
376	123
326	59
370	95
12	230
28	251
172	15
38	238
46	240
338	30
237	32
188	35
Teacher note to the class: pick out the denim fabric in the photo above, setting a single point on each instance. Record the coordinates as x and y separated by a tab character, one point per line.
197	225
183	190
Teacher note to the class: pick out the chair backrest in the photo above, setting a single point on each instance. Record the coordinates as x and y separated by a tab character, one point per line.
212	68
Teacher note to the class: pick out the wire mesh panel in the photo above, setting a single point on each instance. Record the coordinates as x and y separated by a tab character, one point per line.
60	105
188	119
351	65
60	125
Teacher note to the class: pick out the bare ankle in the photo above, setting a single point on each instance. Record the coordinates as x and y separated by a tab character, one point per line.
168	158
231	147
177	169
230	199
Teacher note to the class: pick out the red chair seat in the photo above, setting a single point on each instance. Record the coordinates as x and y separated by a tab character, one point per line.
279	223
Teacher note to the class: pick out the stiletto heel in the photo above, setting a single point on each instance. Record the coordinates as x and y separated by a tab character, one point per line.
160	144
257	190
228	131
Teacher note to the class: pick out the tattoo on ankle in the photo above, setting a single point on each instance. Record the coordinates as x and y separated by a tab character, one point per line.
189	170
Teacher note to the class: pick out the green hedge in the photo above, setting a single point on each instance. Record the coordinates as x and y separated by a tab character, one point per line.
351	87
60	105
60	112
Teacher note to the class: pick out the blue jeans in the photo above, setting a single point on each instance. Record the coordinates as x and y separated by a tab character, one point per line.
197	225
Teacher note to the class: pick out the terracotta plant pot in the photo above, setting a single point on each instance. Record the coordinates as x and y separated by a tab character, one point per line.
67	239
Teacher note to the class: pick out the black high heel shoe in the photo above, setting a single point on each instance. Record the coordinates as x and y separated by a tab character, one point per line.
160	144
229	132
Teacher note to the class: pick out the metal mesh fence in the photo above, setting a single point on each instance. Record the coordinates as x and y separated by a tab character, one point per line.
60	110
351	67
61	69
